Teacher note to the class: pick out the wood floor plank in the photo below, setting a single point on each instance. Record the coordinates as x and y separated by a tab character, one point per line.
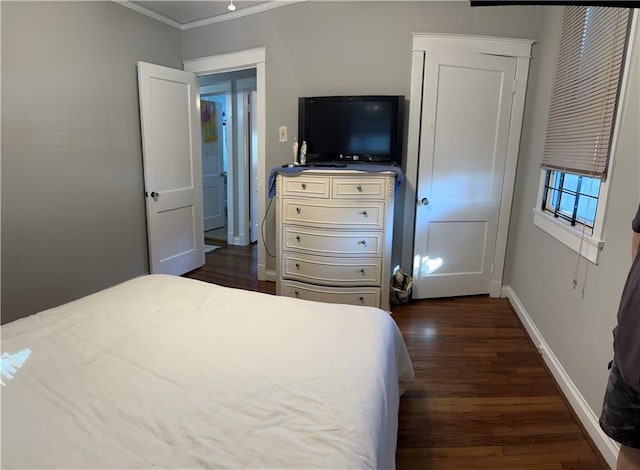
482	398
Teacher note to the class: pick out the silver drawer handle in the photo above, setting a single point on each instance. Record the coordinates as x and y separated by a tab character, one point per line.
304	185
359	188
298	210
362	242
365	213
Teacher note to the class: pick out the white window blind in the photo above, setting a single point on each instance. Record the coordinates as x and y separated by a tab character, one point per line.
585	91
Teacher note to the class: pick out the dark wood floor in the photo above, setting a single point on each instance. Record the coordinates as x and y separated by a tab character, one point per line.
482	398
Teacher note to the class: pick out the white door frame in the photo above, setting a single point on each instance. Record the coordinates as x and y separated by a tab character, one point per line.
251	58
243	161
253	172
422	44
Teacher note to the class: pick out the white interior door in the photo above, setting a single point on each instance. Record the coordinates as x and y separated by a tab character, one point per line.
213	174
467	103
170	119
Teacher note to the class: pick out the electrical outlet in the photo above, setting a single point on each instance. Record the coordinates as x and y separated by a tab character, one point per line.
283	133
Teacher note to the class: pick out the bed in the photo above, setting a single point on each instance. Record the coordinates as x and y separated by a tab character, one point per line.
169	372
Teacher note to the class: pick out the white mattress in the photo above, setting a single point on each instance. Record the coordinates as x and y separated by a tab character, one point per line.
163	371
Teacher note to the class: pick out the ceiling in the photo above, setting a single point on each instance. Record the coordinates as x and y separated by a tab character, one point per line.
190	14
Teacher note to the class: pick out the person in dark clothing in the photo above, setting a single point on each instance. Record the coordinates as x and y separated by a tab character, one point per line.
620	417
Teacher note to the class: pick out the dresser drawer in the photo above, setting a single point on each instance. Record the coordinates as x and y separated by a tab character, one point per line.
346	214
331	243
332	271
358	188
369	296
306	186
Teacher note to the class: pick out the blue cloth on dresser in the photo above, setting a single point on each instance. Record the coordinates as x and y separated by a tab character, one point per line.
368	168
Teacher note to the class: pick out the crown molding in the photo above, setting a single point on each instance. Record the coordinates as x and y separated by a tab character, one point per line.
239	13
206	21
150	13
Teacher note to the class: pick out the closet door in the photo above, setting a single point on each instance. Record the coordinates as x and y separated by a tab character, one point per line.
467	101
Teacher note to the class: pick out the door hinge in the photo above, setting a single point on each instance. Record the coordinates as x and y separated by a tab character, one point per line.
493	267
515	83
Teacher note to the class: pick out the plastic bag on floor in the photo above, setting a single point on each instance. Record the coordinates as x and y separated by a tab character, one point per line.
401	285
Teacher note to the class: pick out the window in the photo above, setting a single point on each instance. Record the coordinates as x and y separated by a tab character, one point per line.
580	137
572	198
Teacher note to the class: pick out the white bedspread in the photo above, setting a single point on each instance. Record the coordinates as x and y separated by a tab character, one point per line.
163	371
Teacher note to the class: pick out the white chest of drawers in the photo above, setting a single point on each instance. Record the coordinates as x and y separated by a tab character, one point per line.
334	234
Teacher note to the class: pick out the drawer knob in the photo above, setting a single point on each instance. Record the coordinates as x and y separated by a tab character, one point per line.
304	185
362	271
297	265
297	237
296	293
298	210
362	242
359	188
361	300
365	213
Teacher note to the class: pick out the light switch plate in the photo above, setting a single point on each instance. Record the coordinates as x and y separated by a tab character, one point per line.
283	133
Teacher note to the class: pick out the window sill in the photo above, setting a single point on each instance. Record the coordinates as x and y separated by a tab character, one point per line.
569	236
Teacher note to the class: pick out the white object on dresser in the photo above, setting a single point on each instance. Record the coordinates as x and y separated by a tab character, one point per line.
334	234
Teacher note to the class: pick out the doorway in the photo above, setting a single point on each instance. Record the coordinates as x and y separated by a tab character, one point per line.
246	59
229	156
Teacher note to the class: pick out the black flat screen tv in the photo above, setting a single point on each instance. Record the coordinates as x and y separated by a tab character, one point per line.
367	129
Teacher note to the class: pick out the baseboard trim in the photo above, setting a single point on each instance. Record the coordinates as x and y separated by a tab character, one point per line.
270	275
607	447
265	274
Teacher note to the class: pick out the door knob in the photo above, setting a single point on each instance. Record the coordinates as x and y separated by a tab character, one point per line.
154	195
423	202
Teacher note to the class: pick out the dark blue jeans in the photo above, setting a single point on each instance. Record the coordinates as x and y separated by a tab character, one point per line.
620	417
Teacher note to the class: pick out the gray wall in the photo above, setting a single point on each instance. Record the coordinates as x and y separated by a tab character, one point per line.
73	216
335	48
540	269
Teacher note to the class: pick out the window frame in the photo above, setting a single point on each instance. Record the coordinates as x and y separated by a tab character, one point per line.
574	237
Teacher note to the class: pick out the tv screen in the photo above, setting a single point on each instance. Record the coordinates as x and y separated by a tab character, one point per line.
352	128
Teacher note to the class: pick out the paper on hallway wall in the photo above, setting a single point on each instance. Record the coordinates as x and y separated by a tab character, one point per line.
209	121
